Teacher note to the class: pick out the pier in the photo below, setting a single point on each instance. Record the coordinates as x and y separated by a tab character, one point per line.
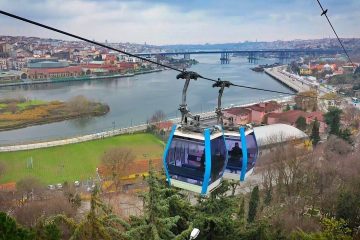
289	81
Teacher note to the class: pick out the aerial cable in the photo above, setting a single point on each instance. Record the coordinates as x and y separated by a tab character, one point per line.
134	55
324	13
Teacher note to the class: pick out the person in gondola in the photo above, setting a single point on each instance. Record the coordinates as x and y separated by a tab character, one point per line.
235	155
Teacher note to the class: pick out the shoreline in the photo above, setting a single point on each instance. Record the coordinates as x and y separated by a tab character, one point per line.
77	79
111	133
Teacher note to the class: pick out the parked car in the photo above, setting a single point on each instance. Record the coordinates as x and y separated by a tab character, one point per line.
59	186
51	187
77	184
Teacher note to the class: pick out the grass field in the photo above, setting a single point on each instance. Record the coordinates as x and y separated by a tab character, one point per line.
75	161
33	102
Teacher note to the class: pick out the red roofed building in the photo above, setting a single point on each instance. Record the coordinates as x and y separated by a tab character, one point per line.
291	116
110	59
8	187
46	73
165	126
288	117
241	115
100	68
258	111
254	113
127	66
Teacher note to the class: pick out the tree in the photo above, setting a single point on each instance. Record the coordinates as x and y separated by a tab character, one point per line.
156	223
241	213
9	229
99	223
156	119
158	116
315	134
268	196
30	213
332	229
306	101
332	118
345	134
12	107
29	186
117	162
253	204
79	104
47	230
348	207
212	214
301	123
287	108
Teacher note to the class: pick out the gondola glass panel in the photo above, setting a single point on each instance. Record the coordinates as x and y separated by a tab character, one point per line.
218	158
186	160
236	152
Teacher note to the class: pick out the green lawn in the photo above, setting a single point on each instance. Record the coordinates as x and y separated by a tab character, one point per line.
75	161
33	102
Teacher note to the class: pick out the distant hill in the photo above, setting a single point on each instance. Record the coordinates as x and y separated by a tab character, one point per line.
326	43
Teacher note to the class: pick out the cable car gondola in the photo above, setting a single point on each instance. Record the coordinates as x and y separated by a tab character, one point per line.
195	156
240	143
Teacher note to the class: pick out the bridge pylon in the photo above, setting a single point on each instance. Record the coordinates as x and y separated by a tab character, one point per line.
252	58
225	58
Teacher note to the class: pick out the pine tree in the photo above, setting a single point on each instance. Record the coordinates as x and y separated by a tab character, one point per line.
241	213
213	214
315	135
99	223
9	229
253	204
332	118
346	135
157	222
301	123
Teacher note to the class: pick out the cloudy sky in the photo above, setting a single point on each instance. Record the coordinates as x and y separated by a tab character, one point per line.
183	21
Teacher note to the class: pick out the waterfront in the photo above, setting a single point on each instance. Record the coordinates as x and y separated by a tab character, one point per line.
133	100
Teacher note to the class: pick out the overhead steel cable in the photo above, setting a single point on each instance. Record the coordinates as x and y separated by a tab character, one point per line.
324	13
133	55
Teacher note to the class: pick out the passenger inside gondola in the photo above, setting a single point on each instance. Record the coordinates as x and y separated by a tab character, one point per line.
235	155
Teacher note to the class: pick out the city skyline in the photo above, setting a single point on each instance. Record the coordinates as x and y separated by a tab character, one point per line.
198	22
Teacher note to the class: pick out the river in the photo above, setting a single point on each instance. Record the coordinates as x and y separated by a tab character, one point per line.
133	100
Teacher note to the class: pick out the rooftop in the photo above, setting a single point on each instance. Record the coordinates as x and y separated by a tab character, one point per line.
277	133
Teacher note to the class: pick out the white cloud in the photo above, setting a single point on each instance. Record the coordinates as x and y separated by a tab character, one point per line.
160	23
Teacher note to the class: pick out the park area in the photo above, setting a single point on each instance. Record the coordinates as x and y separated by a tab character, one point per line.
21	112
74	161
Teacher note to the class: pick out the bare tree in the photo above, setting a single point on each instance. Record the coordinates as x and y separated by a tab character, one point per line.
307	101
158	116
79	104
12	107
29	213
117	162
29	187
